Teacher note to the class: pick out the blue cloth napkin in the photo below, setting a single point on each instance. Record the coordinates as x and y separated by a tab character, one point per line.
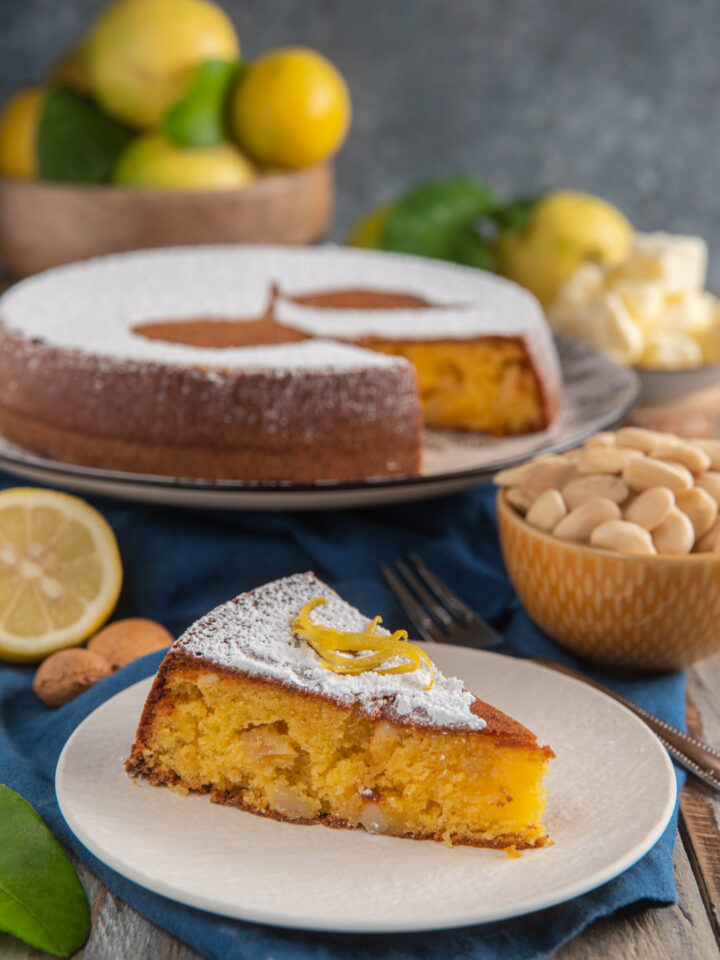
180	563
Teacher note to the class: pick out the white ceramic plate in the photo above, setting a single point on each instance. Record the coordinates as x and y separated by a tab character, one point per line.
659	387
598	392
611	793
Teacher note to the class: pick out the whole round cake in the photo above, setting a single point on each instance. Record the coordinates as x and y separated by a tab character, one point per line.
267	364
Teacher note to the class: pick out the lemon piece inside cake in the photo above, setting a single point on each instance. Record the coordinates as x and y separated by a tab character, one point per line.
242	709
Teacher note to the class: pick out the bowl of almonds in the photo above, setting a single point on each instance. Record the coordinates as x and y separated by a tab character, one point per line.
614	548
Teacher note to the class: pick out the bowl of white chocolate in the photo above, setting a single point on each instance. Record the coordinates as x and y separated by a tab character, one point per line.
614	548
651	311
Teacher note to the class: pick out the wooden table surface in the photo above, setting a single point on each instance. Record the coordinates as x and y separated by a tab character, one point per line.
690	930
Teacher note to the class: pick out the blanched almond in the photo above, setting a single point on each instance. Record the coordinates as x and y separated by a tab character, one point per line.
622	536
606	438
639	438
641	473
589	488
692	457
710	481
512	476
518	498
675	534
711	448
709	539
547	511
700	508
605	460
580	522
650	508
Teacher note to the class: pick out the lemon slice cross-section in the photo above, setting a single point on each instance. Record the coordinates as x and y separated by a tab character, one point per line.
60	572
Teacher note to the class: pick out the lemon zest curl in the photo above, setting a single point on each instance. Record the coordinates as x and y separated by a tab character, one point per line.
351	654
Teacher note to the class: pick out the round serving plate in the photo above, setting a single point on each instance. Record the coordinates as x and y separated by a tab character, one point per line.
611	793
597	393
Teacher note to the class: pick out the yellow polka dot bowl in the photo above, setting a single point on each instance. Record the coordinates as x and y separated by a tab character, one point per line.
635	612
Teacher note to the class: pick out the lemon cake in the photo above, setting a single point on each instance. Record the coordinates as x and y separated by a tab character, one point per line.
287	702
267	364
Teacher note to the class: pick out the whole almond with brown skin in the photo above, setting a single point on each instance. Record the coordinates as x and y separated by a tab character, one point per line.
123	641
64	675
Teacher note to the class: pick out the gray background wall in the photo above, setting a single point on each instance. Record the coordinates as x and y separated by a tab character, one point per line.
619	97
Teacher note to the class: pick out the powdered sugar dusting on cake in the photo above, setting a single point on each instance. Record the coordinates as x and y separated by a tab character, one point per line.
253	633
93	306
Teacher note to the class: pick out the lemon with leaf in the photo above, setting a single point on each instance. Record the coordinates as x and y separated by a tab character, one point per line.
140	54
152	161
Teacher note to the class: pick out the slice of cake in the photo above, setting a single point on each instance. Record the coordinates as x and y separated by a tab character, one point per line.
288	702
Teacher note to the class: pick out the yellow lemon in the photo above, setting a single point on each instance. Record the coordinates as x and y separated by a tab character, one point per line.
152	161
367	232
60	572
291	107
71	70
140	54
565	229
18	133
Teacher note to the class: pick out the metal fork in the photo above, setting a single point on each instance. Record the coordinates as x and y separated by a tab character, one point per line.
440	616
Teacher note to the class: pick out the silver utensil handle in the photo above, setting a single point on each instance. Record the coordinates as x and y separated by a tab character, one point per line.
699	754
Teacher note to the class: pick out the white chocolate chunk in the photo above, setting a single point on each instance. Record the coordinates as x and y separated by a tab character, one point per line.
580	522
689	455
649	509
590	487
547	511
710	481
700	508
641	473
675	534
669	351
677	263
622	536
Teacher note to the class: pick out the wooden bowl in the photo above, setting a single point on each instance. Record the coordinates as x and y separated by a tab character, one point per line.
46	224
637	612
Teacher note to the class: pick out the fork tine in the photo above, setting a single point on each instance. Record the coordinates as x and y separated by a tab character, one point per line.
468	617
421	621
427	599
443	592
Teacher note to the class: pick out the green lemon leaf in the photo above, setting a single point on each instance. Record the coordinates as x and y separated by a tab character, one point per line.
198	118
435	219
41	899
76	142
514	216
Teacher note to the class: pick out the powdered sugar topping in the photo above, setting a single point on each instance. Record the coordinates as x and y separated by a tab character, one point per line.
93	307
253	633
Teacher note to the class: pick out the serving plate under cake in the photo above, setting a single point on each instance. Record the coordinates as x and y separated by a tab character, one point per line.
611	793
597	393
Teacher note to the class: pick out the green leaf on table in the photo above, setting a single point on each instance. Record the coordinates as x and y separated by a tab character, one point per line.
199	117
41	899
436	219
76	142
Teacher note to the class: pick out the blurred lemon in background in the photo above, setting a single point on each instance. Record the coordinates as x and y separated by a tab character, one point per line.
19	125
564	229
140	54
368	230
71	70
152	161
291	107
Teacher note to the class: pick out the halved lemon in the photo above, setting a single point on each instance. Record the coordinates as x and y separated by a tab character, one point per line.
60	572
